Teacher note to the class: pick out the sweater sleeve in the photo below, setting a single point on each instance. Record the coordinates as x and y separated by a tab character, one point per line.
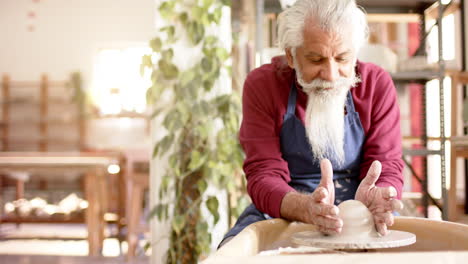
383	139
266	171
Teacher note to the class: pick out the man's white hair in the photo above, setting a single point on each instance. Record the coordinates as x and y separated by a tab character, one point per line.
330	15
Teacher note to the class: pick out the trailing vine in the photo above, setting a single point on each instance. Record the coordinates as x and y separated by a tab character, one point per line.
202	125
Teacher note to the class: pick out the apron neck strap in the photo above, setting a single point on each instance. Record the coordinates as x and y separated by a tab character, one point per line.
292	100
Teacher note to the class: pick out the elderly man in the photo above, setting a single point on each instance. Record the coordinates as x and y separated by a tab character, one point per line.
320	127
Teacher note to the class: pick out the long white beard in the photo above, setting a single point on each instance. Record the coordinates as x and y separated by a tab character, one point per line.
324	118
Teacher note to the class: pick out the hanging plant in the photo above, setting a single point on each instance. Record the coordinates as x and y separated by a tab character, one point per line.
202	126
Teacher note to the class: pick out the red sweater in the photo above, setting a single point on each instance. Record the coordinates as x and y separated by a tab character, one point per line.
265	99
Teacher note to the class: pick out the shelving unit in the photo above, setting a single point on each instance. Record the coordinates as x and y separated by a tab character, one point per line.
42	116
375	6
47	110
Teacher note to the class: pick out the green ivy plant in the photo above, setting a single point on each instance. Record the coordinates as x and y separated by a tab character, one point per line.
202	126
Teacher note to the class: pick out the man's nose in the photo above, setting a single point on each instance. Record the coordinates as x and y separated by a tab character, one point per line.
329	71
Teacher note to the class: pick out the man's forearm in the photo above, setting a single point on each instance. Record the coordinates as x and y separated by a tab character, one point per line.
293	206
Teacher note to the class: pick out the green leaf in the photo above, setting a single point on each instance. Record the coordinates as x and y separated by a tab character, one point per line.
202	185
147	246
186	77
178	223
168	69
146	61
168	54
202	227
165	181
212	205
196	160
218	12
158	211
207	3
183	17
205	107
211	17
206	64
150	96
154	211
222	54
156	44
153	93
170	31
166	10
210	40
226	2
203	130
196	32
155	150
223	106
204	20
166	143
155	75
198	12
172	121
208	85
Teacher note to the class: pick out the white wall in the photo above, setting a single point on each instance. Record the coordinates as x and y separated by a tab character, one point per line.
67	33
67	36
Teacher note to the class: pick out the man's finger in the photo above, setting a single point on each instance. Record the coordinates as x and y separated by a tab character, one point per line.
397	205
328	222
389	219
381	228
327	174
384	218
325	209
389	192
372	174
329	231
319	194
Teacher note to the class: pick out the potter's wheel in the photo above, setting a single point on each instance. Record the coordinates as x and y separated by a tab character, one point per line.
358	232
392	239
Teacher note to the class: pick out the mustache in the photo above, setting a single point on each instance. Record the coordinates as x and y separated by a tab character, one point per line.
320	84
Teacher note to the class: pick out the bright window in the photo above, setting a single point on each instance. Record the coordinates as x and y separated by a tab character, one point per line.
118	86
448	39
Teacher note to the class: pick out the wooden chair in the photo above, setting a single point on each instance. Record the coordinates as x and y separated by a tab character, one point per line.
137	181
137	185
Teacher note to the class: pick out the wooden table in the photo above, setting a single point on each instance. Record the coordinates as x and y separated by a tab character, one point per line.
93	165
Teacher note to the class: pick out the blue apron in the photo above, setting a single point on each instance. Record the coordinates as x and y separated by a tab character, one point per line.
304	170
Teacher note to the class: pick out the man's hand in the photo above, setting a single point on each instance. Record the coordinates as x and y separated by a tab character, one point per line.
379	200
317	208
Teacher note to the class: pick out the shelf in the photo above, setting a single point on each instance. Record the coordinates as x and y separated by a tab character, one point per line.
35	85
395	6
73	122
78	218
418	140
36	102
415	76
420	152
372	6
37	141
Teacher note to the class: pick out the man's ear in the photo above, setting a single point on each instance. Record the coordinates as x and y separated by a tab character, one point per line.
290	58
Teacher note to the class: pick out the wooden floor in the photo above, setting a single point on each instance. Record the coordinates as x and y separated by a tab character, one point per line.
58	244
55	259
26	259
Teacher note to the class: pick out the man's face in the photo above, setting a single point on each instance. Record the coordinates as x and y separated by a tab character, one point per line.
323	55
324	67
